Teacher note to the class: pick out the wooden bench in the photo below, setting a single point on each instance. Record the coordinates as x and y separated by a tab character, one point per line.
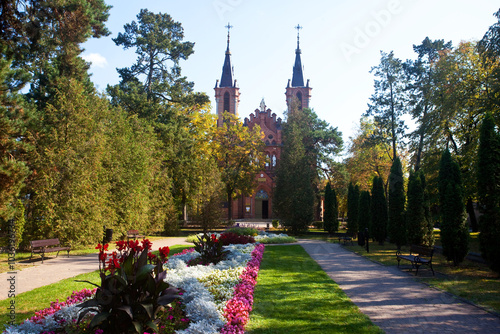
345	237
134	234
419	255
47	246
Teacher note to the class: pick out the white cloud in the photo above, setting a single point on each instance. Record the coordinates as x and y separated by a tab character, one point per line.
96	60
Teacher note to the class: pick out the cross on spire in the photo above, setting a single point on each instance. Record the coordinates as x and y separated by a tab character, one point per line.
298	27
229	26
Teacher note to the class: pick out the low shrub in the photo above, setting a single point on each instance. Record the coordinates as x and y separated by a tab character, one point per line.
228	238
210	249
243	231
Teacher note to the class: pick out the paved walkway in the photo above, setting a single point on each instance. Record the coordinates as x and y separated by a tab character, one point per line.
61	267
393	300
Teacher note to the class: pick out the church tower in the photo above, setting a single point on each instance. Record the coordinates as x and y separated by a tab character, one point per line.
227	92
296	92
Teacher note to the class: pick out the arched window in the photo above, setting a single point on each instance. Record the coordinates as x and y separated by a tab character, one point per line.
267	160
226	102
299	97
273	160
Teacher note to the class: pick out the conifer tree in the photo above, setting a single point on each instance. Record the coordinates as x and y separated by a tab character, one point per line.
396	225
364	211
352	208
416	223
331	210
454	232
488	184
378	211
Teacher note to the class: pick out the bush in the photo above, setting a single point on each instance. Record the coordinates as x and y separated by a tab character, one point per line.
242	231
228	238
210	249
276	223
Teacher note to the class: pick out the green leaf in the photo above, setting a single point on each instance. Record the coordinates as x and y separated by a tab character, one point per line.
84	281
98	319
144	271
149	309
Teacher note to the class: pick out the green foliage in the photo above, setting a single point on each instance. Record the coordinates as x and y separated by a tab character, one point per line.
387	103
276	223
378	211
14	114
396	227
210	249
488	180
416	223
294	194
352	208
243	231
330	217
131	295
364	211
454	231
239	156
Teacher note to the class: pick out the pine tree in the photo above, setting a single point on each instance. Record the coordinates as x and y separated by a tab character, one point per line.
396	225
378	211
488	184
364	211
454	232
331	210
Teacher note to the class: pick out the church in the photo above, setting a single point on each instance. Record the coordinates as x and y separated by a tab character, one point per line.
259	205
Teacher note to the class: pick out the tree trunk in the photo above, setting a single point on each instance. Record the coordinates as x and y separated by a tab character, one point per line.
229	205
472	216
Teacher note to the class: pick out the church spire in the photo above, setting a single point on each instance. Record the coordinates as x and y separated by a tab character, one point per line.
226	79
298	77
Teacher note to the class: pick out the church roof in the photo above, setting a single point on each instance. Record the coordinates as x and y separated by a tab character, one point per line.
226	79
298	76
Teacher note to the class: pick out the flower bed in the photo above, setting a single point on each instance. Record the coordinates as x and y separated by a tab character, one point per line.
217	298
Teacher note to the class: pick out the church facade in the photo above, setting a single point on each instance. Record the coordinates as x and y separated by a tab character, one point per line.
259	205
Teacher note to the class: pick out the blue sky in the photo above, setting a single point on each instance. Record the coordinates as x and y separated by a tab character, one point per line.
340	42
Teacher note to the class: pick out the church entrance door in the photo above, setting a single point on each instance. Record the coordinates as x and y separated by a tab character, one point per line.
265	209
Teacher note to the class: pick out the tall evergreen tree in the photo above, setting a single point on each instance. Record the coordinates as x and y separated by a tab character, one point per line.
378	211
416	223
454	232
294	194
488	184
387	102
396	227
352	208
330	218
364	211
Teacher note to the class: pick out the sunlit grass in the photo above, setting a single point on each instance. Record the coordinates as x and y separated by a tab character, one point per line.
294	295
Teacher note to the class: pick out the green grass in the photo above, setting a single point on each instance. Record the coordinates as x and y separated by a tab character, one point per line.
470	280
29	302
294	295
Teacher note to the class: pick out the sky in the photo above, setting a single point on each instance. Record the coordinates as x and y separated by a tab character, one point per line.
340	42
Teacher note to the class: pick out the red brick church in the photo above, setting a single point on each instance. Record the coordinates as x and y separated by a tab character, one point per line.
227	97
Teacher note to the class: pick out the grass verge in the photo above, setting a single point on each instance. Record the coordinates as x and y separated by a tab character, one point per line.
29	302
294	295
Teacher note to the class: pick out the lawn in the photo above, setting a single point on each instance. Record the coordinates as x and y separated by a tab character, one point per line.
294	295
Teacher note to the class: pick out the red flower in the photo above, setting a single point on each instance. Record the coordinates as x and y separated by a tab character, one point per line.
146	244
164	251
121	245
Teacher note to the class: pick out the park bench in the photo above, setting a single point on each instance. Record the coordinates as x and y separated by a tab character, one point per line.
134	234
419	255
343	237
47	246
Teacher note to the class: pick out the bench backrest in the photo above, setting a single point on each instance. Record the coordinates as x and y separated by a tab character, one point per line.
44	243
421	250
132	232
